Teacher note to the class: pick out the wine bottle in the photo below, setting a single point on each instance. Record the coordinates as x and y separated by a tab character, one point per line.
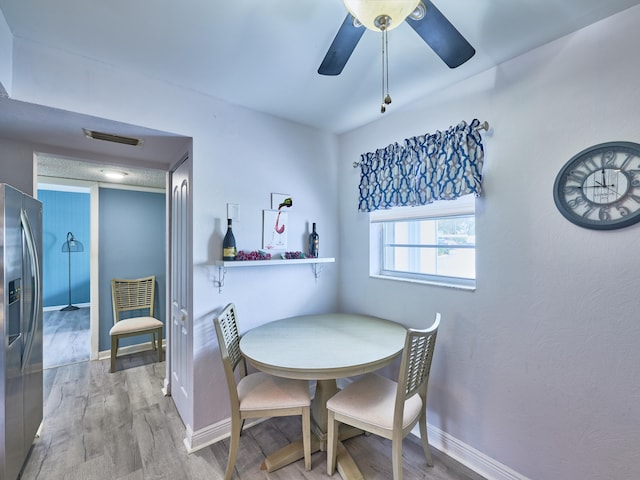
314	243
287	203
229	244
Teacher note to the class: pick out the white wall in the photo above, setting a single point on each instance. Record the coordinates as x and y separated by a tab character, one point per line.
239	157
6	50
247	157
16	165
539	368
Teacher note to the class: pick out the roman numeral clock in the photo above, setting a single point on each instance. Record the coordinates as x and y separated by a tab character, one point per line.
599	188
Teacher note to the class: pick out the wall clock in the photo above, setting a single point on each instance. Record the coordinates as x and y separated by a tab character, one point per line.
599	188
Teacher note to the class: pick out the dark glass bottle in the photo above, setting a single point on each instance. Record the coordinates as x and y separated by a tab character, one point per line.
314	243
229	244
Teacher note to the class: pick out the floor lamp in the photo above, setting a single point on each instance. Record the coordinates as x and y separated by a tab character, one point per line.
71	245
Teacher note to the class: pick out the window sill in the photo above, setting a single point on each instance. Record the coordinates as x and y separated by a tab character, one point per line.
424	282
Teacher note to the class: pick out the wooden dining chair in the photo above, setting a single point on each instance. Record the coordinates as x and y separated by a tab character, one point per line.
387	408
133	304
257	395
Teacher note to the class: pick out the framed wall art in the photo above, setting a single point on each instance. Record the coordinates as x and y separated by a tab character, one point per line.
274	230
278	199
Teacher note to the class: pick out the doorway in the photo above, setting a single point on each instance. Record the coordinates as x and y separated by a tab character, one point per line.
66	274
78	334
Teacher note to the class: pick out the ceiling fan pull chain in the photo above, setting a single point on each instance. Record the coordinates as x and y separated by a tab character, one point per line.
383	107
387	98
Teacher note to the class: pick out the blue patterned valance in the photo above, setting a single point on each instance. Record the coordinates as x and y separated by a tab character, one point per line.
439	166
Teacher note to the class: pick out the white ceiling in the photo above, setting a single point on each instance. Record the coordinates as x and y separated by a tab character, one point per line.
63	151
264	55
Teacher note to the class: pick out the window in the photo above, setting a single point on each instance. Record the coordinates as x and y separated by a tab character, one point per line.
435	243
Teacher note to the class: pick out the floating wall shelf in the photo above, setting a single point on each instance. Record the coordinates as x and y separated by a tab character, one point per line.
224	265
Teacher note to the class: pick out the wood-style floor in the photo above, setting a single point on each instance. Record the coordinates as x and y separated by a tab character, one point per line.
66	337
102	426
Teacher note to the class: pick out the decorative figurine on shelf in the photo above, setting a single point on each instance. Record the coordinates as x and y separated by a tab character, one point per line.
293	255
253	255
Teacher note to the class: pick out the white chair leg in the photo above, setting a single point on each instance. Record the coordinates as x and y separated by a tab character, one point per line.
159	344
425	440
306	436
234	444
396	458
114	352
332	443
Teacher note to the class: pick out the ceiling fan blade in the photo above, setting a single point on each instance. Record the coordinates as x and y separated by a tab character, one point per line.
341	48
442	36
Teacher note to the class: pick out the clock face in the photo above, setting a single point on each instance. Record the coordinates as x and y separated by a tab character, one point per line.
599	188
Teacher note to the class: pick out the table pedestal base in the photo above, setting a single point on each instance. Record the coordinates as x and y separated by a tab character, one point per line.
287	455
345	465
293	452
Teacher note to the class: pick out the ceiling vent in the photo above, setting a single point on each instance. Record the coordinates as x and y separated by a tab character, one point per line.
108	137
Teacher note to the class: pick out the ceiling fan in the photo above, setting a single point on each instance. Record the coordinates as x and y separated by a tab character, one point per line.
421	15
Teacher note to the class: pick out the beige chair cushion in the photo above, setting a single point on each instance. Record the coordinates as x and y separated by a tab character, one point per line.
259	391
135	324
372	399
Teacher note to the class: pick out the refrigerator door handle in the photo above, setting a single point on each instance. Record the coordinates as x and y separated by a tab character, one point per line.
35	268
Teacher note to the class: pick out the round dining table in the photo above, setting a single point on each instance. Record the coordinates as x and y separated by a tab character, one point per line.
322	347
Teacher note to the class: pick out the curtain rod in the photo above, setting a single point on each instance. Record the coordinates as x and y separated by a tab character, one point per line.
483	126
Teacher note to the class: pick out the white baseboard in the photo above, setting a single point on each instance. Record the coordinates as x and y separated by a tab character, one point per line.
138	347
450	446
60	307
469	456
206	436
212	434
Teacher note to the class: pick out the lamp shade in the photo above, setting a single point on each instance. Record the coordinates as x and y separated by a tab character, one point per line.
72	245
367	11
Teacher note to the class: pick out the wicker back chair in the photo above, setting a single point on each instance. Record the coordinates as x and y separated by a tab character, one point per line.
133	303
390	409
257	395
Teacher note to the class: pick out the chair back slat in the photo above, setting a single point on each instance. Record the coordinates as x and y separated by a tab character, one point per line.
136	294
229	336
416	360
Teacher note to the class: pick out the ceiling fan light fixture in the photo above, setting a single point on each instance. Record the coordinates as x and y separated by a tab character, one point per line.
369	12
419	12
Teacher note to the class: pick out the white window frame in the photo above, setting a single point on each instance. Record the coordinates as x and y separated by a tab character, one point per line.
441	209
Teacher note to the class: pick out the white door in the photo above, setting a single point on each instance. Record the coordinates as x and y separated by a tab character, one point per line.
181	331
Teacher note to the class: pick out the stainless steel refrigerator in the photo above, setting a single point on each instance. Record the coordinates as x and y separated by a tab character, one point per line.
21	324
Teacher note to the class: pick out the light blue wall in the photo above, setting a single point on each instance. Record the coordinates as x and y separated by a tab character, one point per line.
132	245
64	212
